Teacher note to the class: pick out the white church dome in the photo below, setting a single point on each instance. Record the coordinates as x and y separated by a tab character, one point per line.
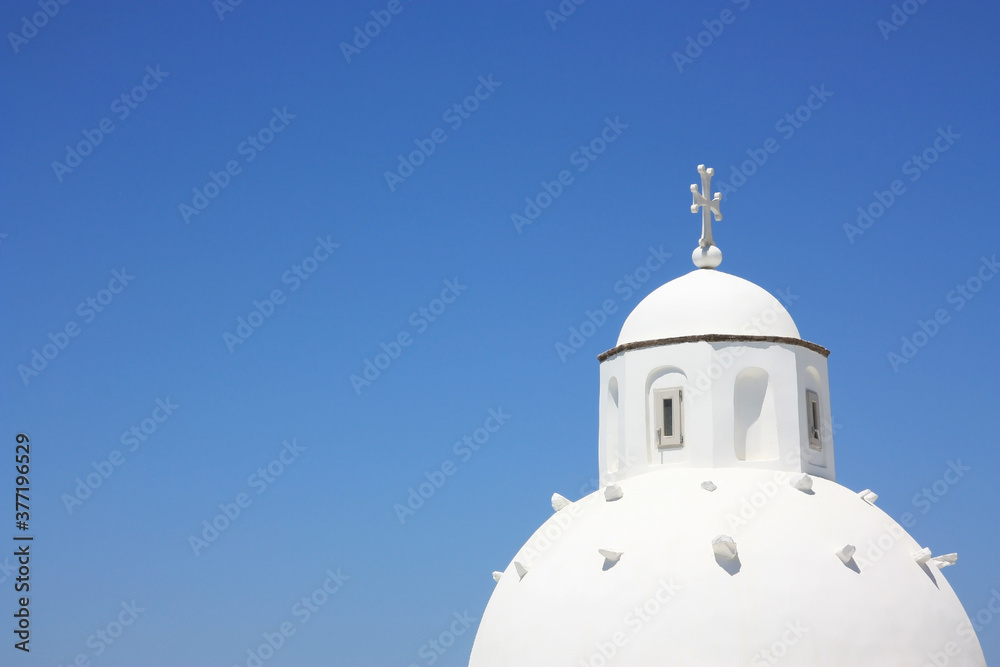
719	535
786	597
707	301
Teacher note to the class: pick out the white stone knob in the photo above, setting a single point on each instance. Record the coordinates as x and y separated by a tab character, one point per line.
560	502
945	560
610	556
802	482
707	258
846	553
724	547
868	496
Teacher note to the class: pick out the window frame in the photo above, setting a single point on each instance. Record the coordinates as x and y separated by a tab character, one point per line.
676	396
814	420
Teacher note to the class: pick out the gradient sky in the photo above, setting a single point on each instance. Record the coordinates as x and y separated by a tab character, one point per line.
213	83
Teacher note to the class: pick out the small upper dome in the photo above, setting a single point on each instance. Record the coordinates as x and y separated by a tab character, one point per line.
707	301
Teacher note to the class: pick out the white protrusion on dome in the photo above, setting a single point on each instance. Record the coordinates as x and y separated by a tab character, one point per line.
802	481
560	502
724	547
612	492
945	560
496	575
520	569
706	255
846	553
610	556
709	485
868	496
922	556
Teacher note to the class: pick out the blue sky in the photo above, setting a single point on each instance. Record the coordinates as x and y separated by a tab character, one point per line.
248	160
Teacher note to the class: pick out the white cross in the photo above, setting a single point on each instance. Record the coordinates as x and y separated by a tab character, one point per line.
708	206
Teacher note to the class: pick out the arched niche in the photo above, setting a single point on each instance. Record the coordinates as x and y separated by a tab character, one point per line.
812	376
755	422
612	451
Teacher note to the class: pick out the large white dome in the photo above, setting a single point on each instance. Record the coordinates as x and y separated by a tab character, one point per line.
707	301
668	600
709	544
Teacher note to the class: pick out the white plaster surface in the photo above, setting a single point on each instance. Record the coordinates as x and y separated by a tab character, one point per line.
669	600
706	301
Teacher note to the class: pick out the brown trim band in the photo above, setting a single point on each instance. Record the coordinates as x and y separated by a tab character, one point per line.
713	338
